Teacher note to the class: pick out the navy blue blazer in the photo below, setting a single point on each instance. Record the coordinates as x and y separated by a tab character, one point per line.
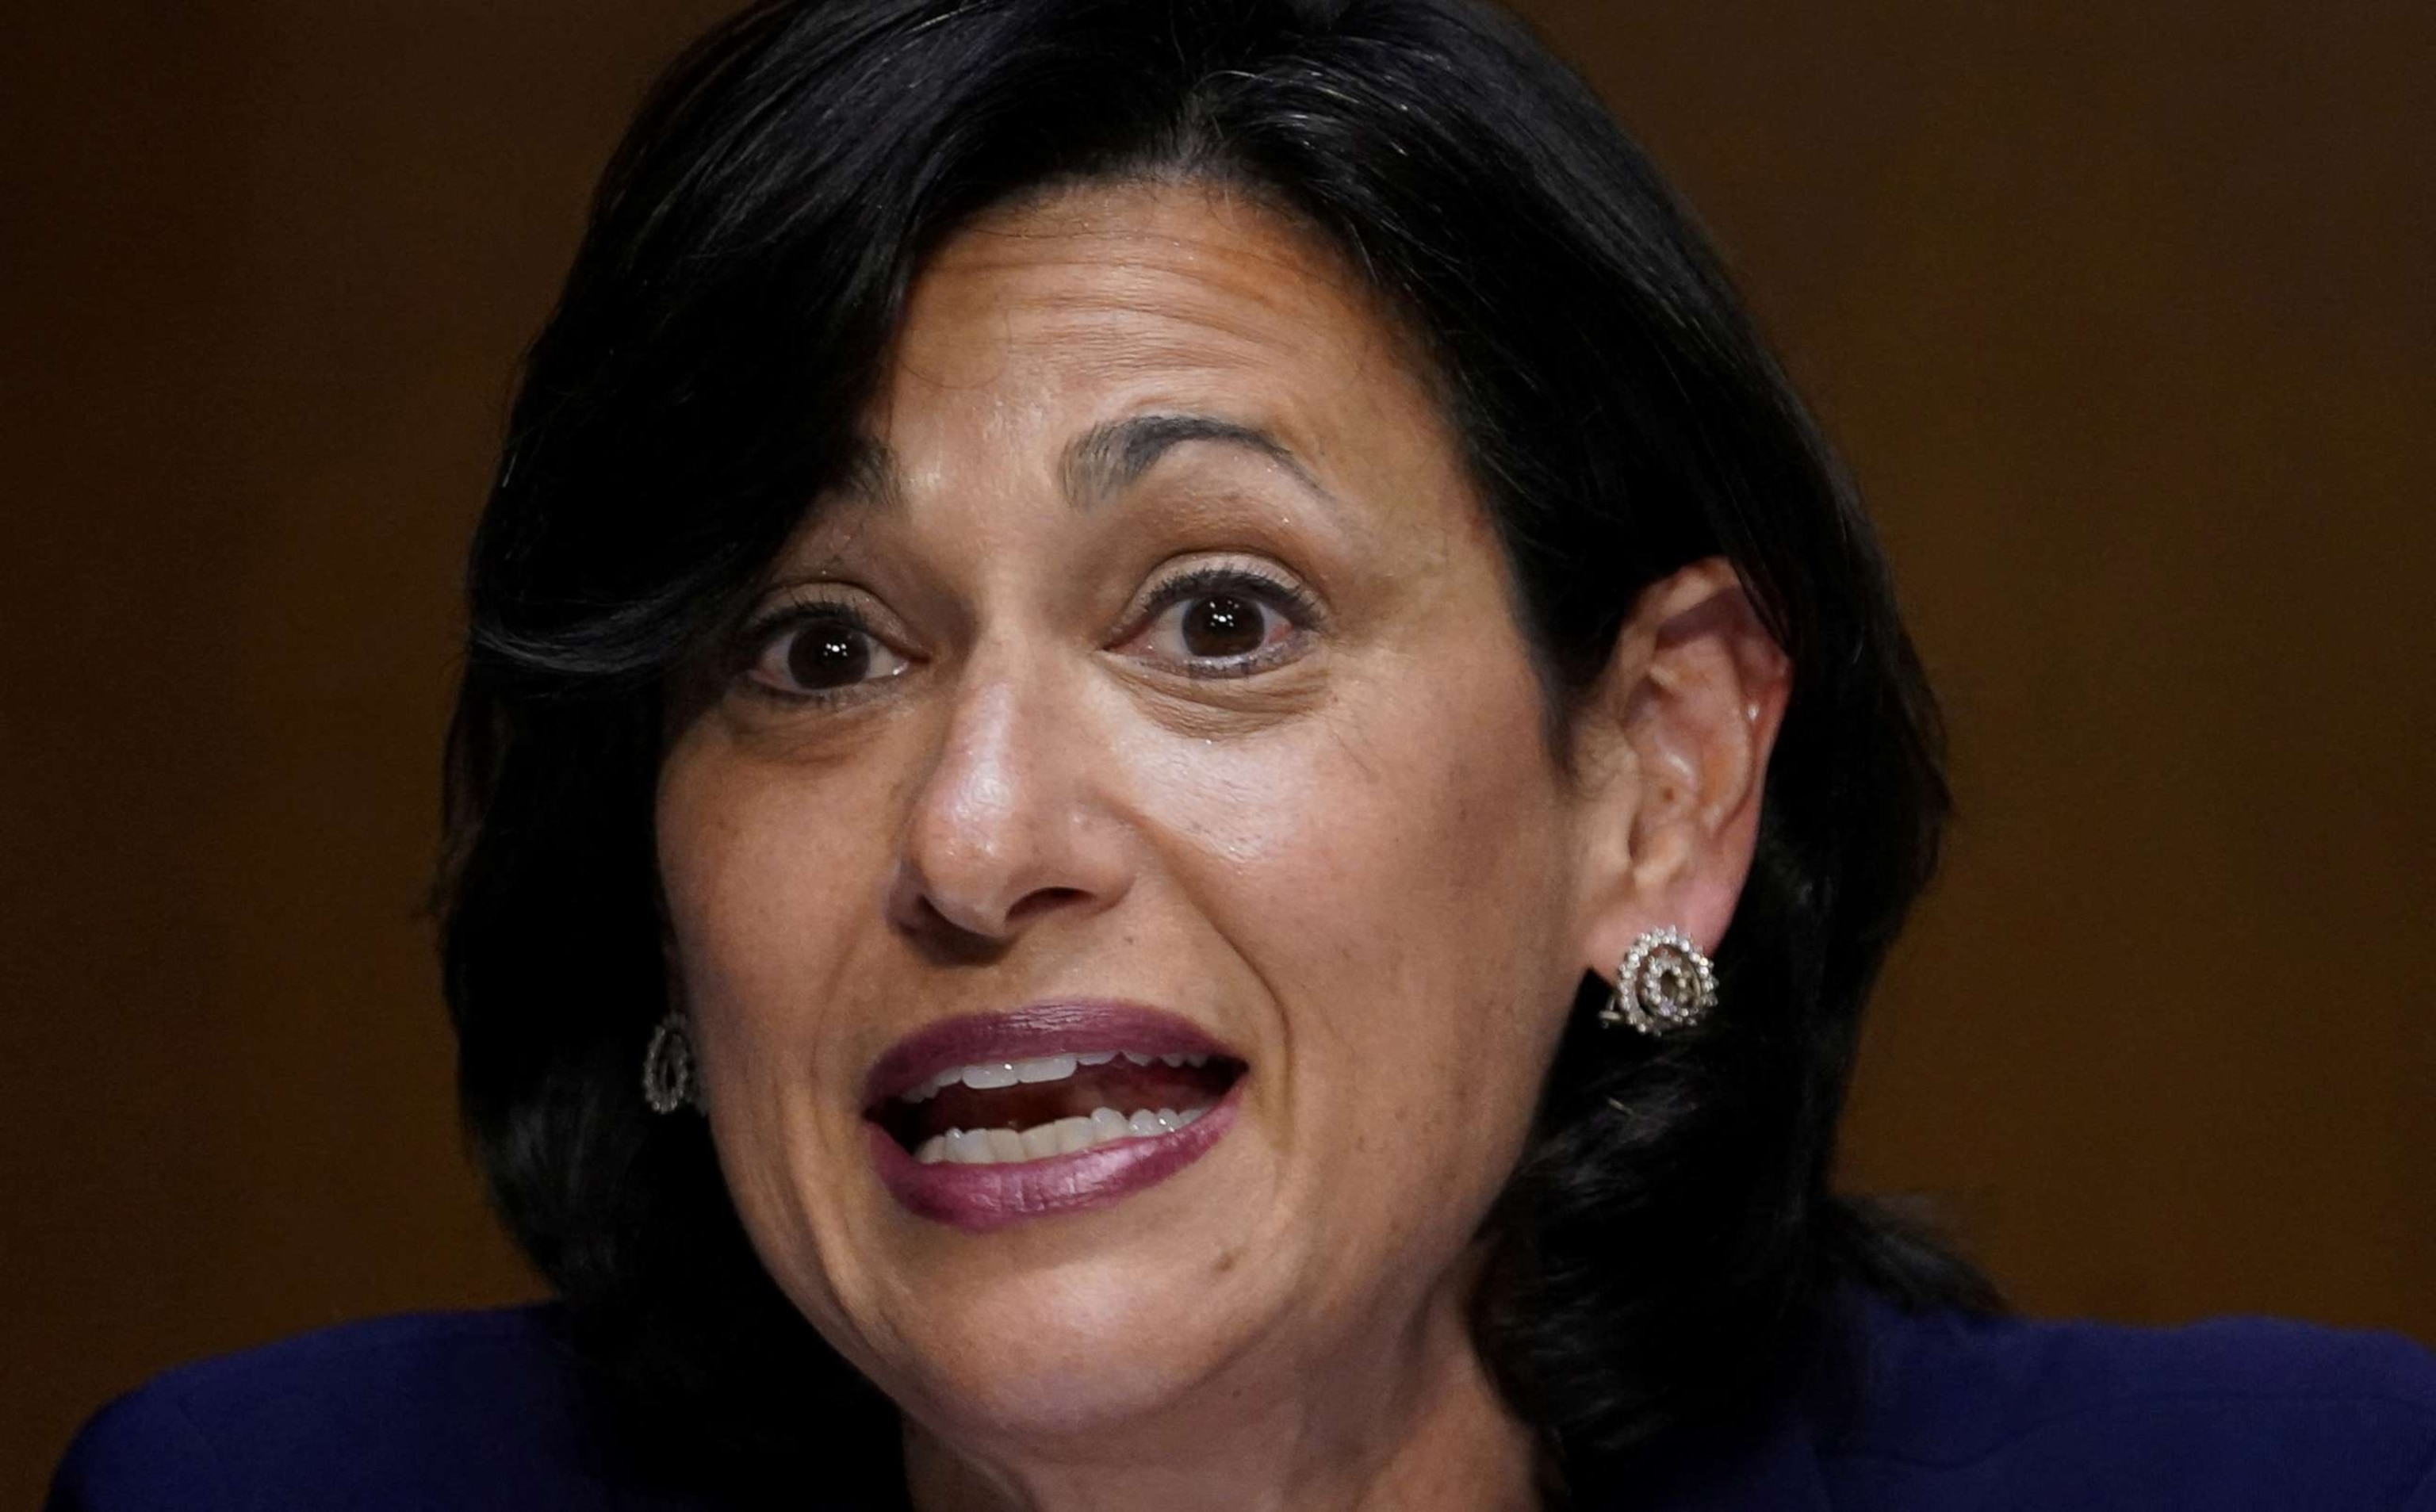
493	1410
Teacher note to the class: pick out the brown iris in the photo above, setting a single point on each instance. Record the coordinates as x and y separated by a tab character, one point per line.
1221	625
830	656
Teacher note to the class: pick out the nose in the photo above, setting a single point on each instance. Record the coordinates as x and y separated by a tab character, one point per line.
1008	826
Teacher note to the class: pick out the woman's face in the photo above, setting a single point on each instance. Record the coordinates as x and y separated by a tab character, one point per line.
1154	690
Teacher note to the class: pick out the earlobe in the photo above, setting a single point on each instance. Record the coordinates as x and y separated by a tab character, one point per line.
1673	753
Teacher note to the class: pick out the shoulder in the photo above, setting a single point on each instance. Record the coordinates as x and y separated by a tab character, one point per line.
460	1410
2243	1412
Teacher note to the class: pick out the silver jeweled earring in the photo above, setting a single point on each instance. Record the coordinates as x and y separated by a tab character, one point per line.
670	1078
1666	984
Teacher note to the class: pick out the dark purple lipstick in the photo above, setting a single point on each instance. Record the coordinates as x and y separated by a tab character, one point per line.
986	1120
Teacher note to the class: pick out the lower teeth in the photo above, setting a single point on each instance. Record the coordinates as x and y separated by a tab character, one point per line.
983	1147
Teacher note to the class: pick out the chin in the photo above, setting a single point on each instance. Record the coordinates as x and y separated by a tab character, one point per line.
1047	1350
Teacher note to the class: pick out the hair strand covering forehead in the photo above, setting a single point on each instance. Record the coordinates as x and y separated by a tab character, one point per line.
1666	1242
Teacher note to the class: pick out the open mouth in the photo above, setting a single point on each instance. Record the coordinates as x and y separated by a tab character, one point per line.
1002	1112
1057	1106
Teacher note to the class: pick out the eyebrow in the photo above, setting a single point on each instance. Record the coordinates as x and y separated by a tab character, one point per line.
1104	460
1111	457
872	474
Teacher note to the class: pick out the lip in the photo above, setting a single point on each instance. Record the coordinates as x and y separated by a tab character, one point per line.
978	1198
1035	1030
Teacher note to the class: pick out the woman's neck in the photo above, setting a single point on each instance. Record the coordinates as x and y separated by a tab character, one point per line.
1413	1426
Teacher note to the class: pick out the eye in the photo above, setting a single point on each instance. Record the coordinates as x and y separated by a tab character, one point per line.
1224	621
820	652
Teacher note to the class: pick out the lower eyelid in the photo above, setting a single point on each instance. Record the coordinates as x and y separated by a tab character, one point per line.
815	698
1289	649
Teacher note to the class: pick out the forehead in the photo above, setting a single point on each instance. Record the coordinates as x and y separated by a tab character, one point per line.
1124	296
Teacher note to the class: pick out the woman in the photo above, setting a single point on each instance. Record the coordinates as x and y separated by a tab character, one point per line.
1128	658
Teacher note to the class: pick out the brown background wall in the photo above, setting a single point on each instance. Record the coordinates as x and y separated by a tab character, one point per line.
2122	313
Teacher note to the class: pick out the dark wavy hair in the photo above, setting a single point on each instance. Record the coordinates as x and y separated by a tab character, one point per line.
1670	1236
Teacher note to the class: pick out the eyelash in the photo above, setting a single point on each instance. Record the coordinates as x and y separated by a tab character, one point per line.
1297	603
758	635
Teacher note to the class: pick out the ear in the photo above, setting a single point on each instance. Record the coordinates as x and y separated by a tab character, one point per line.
1671	756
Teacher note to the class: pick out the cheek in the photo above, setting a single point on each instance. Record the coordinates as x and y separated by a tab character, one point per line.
764	893
1396	873
728	897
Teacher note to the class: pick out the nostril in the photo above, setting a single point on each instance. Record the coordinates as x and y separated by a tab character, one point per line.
968	932
946	939
1043	900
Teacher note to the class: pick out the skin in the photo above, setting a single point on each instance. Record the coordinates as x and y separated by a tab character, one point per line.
1357	861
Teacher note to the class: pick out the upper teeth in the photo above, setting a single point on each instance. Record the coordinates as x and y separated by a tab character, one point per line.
986	1075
